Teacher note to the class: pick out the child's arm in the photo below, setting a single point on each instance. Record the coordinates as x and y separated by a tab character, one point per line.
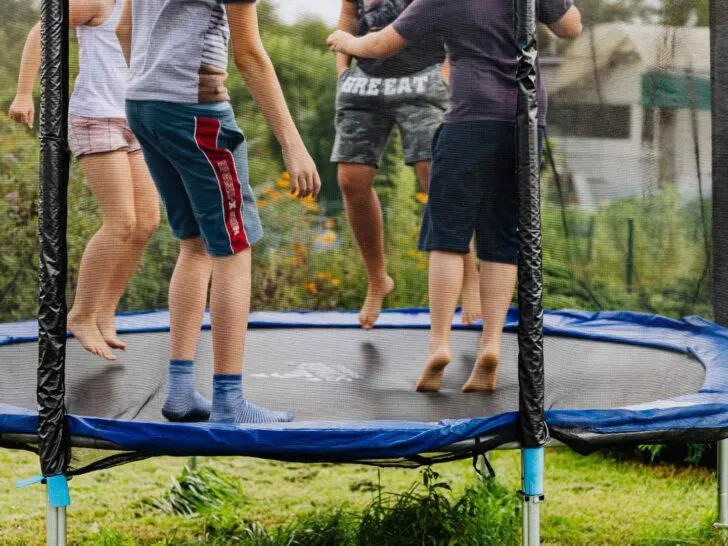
347	22
375	45
445	71
569	25
257	70
123	31
22	110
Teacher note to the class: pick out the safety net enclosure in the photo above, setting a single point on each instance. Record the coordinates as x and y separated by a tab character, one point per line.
622	239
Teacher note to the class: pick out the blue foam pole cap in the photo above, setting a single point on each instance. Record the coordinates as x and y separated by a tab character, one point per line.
533	468
58	494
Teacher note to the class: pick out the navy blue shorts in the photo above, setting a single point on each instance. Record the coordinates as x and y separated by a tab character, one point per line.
474	190
197	156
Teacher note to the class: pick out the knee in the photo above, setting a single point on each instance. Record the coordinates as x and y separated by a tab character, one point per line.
355	181
146	226
194	248
122	228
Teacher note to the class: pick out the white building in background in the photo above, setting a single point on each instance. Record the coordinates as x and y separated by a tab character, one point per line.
628	103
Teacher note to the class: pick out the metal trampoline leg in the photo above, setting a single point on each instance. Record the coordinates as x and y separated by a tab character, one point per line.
532	474
722	522
55	526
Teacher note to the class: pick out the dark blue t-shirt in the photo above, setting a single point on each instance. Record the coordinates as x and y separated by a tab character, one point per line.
420	54
481	45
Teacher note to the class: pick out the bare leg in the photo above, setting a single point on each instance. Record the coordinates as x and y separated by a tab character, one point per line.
365	217
109	177
497	282
229	309
146	207
187	298
446	278
471	289
471	279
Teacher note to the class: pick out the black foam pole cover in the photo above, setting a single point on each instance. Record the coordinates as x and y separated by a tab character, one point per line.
54	171
532	427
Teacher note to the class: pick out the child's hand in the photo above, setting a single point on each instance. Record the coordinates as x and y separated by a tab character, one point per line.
305	178
22	110
341	42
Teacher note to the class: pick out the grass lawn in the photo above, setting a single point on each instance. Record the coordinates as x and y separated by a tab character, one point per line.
590	500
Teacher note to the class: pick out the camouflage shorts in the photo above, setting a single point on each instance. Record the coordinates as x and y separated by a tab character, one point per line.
369	108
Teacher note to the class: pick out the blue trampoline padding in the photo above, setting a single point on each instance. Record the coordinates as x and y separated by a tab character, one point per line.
359	440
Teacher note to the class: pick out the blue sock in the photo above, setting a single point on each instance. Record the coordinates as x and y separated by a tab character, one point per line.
229	406
183	402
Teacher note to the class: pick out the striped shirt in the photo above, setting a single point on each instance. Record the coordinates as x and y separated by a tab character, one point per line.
215	46
180	51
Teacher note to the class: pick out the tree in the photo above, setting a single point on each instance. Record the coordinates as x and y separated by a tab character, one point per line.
682	12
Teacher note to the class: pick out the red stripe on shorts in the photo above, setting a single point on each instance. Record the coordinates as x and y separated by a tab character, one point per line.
223	164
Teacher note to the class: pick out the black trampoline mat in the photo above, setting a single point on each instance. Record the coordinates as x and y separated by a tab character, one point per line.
343	373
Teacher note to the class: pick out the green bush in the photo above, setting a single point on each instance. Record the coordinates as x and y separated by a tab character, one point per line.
428	514
198	492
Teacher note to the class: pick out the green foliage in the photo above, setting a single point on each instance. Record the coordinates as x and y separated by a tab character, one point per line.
427	514
703	455
198	492
109	538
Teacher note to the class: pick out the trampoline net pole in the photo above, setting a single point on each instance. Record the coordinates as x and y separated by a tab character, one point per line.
533	431
719	115
54	172
722	522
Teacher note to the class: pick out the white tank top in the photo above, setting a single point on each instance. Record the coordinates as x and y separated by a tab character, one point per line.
100	89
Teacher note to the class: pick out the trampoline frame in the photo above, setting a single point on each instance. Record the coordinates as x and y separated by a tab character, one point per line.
53	434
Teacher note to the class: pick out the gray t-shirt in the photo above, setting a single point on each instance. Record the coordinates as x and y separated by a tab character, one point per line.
416	57
179	50
480	41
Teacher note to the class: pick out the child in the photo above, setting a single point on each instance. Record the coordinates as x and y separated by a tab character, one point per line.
473	187
406	91
177	106
100	138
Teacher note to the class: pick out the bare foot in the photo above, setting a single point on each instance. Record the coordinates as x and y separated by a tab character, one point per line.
471	303
437	361
107	327
485	373
89	336
373	303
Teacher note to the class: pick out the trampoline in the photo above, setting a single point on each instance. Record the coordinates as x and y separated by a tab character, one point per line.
578	378
612	377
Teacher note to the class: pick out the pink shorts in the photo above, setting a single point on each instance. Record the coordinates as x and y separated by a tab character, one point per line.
100	135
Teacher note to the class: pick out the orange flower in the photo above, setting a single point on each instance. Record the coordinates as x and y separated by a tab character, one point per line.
284	182
323	276
310	204
336	282
298	260
262	203
311	288
421	197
